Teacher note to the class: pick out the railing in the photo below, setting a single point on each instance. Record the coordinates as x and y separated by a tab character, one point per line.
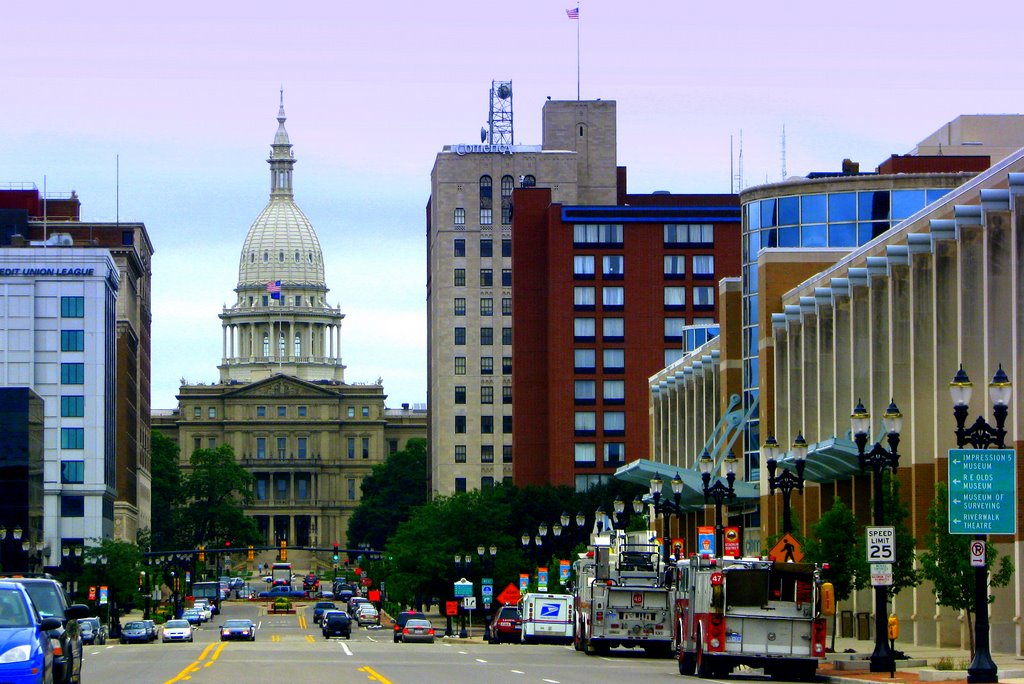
300	503
276	460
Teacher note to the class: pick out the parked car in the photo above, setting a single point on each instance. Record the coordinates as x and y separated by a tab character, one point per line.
337	623
367	614
404	617
177	630
24	632
326	593
151	626
193	616
93	631
418	630
507	625
320	607
282	590
48	597
135	632
238	629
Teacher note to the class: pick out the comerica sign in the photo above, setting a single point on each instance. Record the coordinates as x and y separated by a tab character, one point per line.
461	149
46	271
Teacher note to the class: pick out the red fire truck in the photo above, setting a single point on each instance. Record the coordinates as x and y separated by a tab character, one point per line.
753	612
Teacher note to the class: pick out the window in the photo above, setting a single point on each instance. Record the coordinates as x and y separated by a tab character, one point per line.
298	302
704	266
282	447
486	365
506	365
366	411
282	411
614	360
460	245
614	453
351	447
302	447
460	425
460	394
675	266
506	394
585	454
702	233
351	412
72	472
485	191
614	391
281	489
585	422
674	327
506	453
302	412
72	373
460	453
266	301
261	447
613	329
211	443
460	277
486	425
366	447
297	342
487	394
584	390
486	277
197	412
597	234
261	489
487	453
675	298
506	306
211	412
72	406
506	247
72	340
583	329
614	422
675	234
584	360
460	336
460	219
460	365
266	342
72	307
506	277
611	266
460	485
486	217
613	298
583	266
486	247
703	296
72	438
351	489
486	306
460	306
72	506
506	200
506	425
506	335
583	298
197	443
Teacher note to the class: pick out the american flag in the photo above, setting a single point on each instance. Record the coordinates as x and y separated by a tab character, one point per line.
274	288
573	13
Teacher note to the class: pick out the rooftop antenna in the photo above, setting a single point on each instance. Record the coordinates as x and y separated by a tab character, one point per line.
499	117
783	152
738	176
45	207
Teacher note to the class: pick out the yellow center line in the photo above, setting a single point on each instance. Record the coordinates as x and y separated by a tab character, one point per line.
310	639
374	676
193	666
216	654
275	638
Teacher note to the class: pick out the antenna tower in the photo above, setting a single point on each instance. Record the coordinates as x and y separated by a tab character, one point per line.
737	178
783	152
499	117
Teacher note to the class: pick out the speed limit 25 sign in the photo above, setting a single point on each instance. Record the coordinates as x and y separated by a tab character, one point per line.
881	544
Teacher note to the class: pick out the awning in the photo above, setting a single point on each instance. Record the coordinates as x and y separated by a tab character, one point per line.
827	461
642	471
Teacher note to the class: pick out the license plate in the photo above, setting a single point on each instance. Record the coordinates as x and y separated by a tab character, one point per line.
733	638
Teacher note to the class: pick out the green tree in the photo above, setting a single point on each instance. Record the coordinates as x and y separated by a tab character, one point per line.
167	495
116	565
904	574
215	490
946	562
835	540
392	490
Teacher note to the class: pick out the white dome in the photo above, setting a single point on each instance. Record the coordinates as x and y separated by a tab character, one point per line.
281	245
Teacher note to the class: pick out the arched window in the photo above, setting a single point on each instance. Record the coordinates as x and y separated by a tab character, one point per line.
298	258
485	192
281	346
266	257
252	257
310	257
266	345
280	256
298	346
506	199
529	181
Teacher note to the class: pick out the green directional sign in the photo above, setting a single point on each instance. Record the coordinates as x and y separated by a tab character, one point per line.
463	588
982	491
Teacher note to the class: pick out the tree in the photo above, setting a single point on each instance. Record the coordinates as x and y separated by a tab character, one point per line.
904	575
946	562
215	490
835	540
392	490
115	564
167	495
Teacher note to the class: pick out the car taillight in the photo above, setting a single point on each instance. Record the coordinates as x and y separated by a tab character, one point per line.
431	631
405	631
57	650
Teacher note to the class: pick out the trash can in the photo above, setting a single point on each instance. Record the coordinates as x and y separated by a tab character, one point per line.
846	624
864	626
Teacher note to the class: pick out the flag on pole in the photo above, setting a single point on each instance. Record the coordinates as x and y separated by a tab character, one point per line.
274	288
573	13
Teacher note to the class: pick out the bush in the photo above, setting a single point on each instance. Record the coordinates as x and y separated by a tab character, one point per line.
281	603
947	663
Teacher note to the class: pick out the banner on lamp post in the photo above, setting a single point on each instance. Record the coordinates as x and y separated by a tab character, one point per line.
731	542
524	583
542	579
563	571
706	540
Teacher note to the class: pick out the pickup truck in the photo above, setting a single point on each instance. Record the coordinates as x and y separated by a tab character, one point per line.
281	590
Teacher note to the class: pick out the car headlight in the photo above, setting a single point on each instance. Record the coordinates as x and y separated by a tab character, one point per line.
18	654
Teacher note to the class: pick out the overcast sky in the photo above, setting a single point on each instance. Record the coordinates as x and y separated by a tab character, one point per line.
186	94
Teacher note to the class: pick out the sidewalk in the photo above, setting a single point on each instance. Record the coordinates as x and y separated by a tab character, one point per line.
844	667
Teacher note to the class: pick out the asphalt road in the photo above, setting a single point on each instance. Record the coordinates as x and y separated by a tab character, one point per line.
290	649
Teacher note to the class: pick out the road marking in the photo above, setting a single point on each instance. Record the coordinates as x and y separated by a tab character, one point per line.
310	639
480	661
344	647
194	665
215	655
550	681
517	672
462	653
371	639
275	638
374	676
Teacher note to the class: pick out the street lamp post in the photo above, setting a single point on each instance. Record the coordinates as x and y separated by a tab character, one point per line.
14	534
666	509
718	491
878	459
785	481
492	551
981	435
462	562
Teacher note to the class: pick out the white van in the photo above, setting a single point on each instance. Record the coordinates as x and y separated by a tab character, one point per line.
547	617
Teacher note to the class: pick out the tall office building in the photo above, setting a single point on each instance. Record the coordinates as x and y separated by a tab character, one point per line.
470	242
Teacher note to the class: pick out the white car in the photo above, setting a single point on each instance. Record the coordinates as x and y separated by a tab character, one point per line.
204	607
177	630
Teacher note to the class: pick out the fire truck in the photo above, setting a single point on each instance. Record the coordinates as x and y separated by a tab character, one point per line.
752	612
621	600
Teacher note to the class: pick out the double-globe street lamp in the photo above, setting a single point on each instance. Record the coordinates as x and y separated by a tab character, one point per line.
485	553
981	435
878	459
667	508
5	534
785	481
718	491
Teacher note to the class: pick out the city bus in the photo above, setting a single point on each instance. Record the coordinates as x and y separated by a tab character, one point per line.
210	591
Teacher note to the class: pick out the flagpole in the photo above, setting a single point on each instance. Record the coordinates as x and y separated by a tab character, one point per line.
577	52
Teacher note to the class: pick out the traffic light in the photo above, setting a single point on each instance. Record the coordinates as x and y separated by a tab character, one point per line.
336	552
250	554
227	545
202	553
284	551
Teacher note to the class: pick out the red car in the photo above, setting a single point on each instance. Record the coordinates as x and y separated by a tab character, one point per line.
507	625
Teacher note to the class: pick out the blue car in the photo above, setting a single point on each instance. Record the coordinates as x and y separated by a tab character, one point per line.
26	651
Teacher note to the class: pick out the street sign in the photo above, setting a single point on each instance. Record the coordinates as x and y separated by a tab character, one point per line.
451	608
469	602
881	544
977	553
509	595
487	590
787	550
463	588
982	491
881	574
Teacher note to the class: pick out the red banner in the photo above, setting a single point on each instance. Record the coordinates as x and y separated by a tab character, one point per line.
678	548
731	541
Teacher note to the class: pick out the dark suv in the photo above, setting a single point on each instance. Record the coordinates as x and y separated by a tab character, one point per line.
337	623
48	596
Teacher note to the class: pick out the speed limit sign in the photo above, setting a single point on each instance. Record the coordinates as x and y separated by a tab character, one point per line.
977	553
881	544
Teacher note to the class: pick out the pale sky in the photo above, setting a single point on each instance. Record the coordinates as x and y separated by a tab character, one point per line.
186	94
